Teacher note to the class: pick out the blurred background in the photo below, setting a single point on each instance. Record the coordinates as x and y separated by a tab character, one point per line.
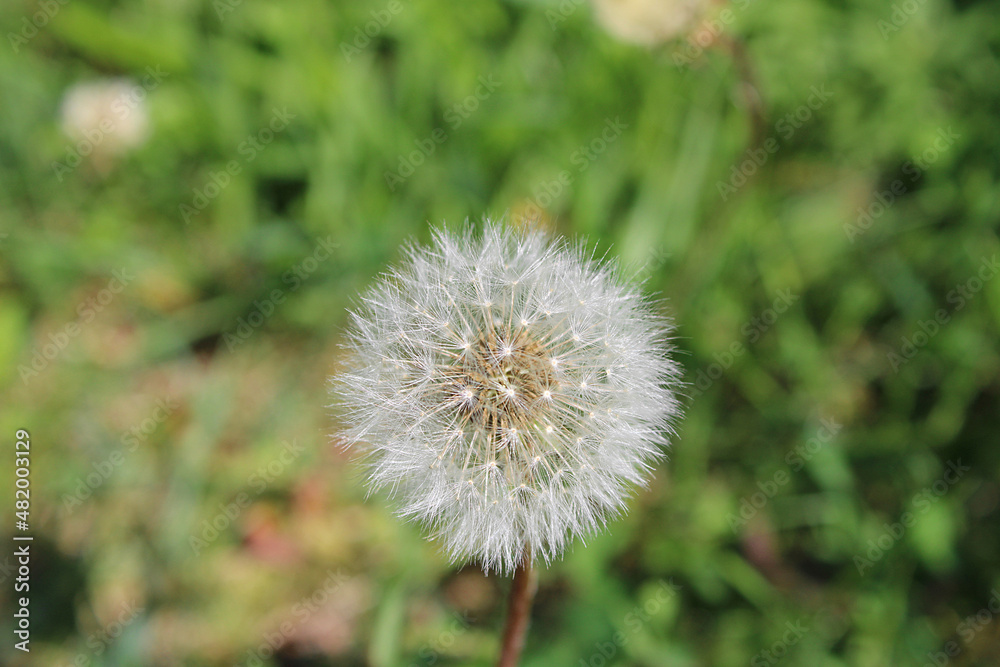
193	192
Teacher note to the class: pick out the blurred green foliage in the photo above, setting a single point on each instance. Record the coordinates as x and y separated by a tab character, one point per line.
806	516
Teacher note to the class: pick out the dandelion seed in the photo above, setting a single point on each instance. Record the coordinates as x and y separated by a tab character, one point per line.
486	414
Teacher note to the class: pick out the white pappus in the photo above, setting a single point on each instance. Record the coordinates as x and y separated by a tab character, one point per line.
508	390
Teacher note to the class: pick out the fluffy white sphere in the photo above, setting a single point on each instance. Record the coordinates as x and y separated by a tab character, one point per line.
509	391
109	114
649	22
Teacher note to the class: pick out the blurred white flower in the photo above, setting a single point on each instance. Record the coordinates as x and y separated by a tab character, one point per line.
649	22
509	390
109	116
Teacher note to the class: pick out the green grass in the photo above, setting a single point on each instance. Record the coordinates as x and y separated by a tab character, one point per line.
301	545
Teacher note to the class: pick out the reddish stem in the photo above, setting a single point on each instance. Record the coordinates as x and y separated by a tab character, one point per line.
522	592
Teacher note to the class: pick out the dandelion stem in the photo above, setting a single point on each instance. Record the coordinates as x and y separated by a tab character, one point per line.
749	88
522	592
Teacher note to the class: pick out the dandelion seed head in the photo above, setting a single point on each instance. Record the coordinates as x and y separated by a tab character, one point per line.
459	421
649	22
106	113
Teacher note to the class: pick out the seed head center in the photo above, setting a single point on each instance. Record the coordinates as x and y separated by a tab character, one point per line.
502	380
